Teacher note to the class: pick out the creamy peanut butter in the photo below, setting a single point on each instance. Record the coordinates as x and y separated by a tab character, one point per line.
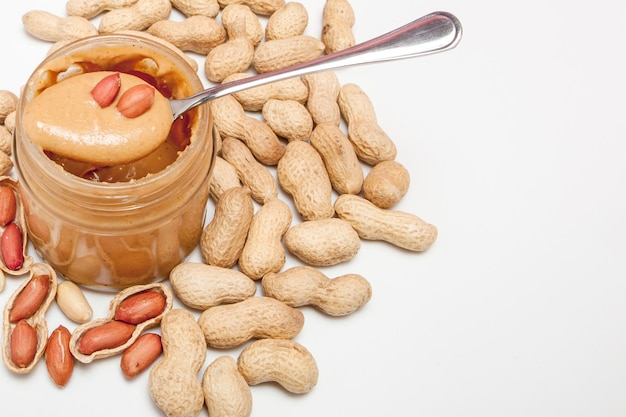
66	120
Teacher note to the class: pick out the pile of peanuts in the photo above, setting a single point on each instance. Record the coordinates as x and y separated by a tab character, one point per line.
311	137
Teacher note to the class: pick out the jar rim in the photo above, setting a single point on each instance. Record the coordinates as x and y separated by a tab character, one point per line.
202	121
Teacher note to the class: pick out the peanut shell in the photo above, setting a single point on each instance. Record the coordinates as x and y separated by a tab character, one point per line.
36	320
115	302
21	222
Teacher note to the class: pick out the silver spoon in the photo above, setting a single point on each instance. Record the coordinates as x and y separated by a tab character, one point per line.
435	32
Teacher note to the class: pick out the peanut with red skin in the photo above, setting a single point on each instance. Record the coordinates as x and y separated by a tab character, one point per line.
59	359
8	205
30	298
23	344
12	247
140	307
141	354
108	335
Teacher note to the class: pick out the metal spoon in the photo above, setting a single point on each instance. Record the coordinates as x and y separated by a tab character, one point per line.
435	32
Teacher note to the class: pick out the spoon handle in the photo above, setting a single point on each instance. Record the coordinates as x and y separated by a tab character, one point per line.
435	32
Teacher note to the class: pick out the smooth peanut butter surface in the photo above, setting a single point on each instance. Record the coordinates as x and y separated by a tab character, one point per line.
66	120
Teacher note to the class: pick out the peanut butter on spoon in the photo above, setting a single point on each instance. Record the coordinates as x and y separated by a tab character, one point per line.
66	119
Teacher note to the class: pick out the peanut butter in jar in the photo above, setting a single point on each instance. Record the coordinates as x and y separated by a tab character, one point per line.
104	224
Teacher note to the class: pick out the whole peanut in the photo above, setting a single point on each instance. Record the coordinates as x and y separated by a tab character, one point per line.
251	172
290	20
6	164
223	177
264	251
174	384
240	21
231	325
201	286
9	121
192	62
302	174
253	99
399	228
8	104
49	27
226	392
260	7
280	53
288	119
139	16
244	32
230	120
92	8
223	238
190	8
337	22
386	183
341	162
304	285
323	242
322	100
285	362
371	143
6	141
197	33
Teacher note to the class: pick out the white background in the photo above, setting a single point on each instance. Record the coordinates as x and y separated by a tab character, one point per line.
515	142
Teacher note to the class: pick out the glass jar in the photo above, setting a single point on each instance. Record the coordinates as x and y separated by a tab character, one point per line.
134	227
